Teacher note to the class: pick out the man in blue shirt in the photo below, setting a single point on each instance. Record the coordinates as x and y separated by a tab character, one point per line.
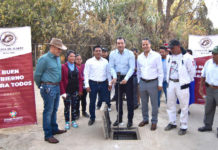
163	53
47	77
122	61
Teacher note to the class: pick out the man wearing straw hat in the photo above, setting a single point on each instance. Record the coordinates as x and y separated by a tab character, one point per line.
47	77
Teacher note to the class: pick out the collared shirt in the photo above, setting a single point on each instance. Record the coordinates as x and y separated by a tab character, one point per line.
71	66
150	67
176	59
164	69
123	63
210	72
48	69
96	70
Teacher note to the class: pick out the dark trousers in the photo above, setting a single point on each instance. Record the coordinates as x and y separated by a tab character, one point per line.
100	101
165	92
82	100
135	91
128	89
71	101
102	89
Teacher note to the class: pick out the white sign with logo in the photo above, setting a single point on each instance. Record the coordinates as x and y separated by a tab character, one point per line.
202	45
12	45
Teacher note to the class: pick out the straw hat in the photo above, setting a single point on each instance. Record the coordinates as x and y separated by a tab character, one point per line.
58	43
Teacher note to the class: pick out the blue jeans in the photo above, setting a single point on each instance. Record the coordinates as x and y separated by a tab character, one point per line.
100	101
165	92
50	95
102	89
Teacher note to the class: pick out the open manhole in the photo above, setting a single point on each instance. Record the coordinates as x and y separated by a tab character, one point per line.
118	133
125	134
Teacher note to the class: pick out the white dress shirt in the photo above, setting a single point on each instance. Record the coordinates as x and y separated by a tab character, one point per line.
210	72
150	67
96	70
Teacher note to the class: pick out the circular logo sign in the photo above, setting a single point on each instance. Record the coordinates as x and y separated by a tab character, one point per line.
13	114
205	42
7	38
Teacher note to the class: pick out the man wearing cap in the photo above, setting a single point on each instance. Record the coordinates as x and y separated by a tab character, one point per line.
105	53
209	78
180	72
47	77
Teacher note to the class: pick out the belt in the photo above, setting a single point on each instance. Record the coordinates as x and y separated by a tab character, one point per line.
212	86
148	80
50	83
122	76
174	80
98	82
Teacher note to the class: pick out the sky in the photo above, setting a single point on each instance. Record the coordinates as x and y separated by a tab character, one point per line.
212	6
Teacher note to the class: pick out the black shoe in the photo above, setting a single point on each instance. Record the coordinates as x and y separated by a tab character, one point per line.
91	122
170	127
204	129
182	131
116	123
85	114
113	99
135	107
179	111
129	124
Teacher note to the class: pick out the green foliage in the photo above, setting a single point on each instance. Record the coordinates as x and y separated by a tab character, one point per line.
85	23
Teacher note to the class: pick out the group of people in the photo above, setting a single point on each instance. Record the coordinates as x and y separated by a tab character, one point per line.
149	73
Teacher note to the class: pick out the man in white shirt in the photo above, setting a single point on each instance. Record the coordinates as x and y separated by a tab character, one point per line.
97	74
210	80
180	72
150	77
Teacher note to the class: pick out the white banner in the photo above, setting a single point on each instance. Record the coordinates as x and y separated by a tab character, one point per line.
17	99
15	41
201	45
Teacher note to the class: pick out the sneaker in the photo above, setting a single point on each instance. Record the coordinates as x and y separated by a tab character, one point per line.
182	131
74	124
170	127
67	126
